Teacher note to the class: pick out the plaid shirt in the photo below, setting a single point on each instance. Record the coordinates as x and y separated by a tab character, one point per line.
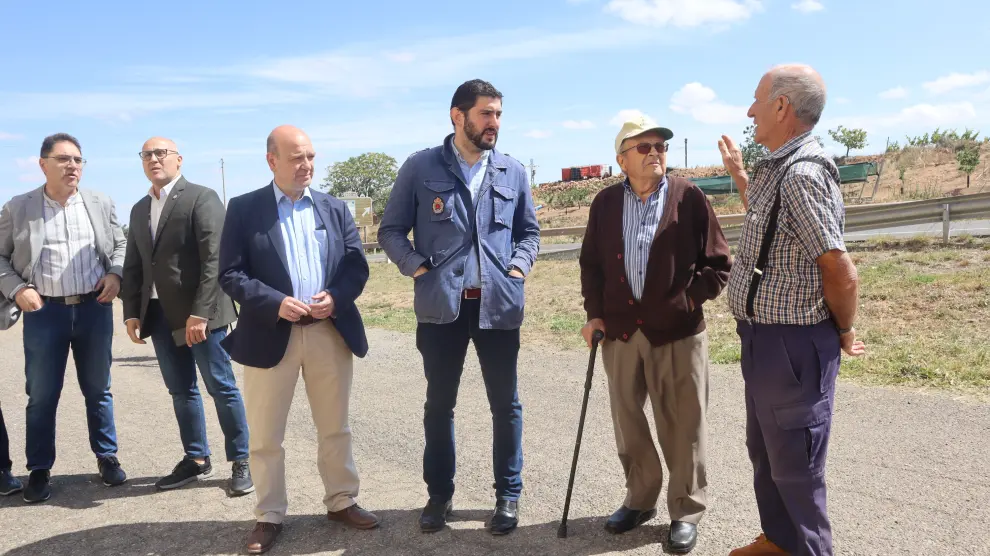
811	223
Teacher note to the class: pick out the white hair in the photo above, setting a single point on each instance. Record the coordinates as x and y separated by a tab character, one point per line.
803	90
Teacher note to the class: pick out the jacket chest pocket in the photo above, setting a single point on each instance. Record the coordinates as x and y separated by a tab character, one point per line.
440	196
504	205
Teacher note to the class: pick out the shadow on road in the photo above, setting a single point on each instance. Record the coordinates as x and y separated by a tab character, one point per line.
80	492
313	534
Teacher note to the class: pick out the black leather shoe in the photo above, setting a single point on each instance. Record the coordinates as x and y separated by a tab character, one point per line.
625	519
434	516
39	487
506	517
682	538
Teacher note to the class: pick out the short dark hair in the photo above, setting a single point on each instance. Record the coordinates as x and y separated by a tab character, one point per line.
48	145
467	94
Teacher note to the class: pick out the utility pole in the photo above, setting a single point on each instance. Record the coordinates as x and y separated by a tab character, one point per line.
532	173
685	152
223	183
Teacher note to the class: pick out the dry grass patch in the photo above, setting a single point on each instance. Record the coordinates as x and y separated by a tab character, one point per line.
924	314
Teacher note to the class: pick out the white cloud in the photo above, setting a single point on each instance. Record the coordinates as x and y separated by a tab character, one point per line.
702	104
808	6
26	163
683	13
894	94
579	124
538	134
841	100
37	178
625	115
4	136
918	116
401	57
955	81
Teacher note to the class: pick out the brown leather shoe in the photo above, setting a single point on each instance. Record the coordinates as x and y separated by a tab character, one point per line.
262	537
355	516
760	547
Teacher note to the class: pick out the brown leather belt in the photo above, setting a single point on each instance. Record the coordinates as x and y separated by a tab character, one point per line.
473	293
306	320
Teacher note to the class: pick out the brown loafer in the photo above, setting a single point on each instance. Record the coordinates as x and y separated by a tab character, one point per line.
262	537
356	517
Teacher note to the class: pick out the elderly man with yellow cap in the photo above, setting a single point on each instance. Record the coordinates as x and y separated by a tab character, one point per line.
652	255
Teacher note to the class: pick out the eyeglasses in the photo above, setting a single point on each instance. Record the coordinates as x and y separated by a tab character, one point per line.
64	159
645	148
160	154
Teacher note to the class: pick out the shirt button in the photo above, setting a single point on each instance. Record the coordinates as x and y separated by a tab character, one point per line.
631	302
639	321
622	279
625	336
619	255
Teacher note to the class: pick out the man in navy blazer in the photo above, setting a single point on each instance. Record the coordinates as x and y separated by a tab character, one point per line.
291	257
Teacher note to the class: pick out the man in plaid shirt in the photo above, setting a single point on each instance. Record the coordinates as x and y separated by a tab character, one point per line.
795	303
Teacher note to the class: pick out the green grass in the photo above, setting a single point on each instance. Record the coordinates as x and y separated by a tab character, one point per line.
924	314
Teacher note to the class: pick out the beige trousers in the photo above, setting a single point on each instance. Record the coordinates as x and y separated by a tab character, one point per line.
327	367
675	377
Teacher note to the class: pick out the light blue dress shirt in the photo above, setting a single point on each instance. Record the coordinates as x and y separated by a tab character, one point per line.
639	227
474	177
306	243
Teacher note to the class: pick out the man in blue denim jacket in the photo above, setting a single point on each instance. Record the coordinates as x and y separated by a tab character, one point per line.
476	238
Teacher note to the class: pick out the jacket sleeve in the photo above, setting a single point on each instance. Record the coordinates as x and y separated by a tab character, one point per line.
133	277
235	269
10	280
352	274
119	242
592	272
398	219
525	231
714	259
208	215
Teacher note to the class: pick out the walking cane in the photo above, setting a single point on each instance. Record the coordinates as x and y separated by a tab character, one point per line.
595	338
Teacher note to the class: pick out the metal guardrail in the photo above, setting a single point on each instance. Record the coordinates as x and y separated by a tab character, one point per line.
858	217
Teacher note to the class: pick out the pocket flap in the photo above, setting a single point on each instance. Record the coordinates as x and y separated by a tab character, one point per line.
438	186
801	415
505	191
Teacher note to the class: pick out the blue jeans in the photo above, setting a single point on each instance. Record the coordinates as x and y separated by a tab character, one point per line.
178	365
49	332
790	374
5	462
444	347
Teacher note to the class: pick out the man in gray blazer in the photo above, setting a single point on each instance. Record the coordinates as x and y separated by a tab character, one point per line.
171	294
61	257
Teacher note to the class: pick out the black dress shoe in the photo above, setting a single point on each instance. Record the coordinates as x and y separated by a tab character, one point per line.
506	517
434	516
682	538
625	519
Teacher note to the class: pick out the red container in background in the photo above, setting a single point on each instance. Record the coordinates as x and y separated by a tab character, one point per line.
565	174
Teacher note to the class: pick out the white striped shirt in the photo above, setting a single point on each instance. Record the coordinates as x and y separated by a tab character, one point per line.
639	226
69	263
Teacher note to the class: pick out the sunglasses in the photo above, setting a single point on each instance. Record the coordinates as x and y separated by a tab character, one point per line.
645	148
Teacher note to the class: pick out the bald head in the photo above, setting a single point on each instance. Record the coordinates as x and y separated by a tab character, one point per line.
803	87
291	158
162	161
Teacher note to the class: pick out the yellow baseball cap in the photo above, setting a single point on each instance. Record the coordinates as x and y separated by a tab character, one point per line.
638	125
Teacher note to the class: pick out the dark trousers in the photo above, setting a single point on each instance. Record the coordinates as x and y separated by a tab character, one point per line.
178	366
49	333
444	347
790	374
5	462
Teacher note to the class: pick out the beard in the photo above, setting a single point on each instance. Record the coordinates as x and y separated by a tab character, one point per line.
478	137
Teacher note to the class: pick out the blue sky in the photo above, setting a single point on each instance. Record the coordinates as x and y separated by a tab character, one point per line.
378	76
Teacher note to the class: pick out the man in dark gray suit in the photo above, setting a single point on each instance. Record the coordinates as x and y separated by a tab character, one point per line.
170	293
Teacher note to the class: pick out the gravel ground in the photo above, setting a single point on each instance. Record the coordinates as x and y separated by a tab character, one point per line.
907	469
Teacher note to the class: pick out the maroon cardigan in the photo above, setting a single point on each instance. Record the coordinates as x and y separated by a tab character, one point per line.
689	258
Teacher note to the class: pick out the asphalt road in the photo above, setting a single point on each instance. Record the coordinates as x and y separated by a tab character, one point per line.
907	470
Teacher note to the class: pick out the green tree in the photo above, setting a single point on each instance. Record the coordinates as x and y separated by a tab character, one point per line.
367	175
849	138
968	159
752	152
